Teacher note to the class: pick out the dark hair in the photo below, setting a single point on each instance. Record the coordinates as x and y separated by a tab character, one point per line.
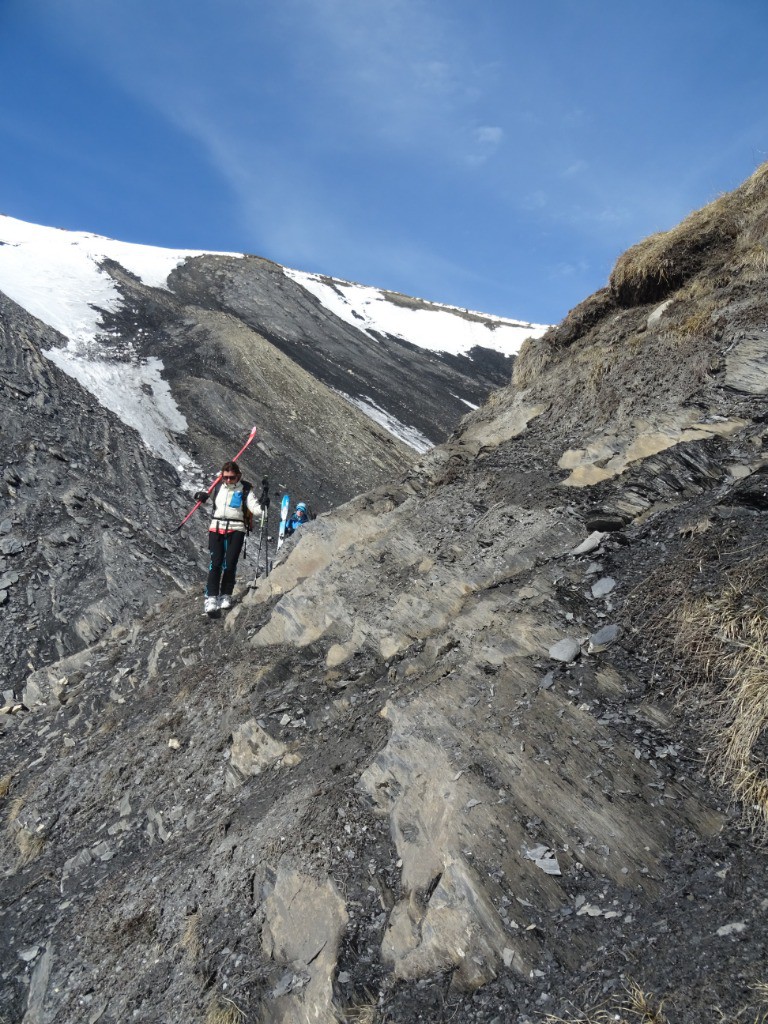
230	467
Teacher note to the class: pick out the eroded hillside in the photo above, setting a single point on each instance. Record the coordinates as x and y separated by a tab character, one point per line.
489	743
86	527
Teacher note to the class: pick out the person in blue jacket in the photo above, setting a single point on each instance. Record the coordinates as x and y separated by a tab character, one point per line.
299	517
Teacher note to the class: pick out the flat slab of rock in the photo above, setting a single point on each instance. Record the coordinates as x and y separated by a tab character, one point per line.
11	546
602	639
603	587
253	750
745	365
565	650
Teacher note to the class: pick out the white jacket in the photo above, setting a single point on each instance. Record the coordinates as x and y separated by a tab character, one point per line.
228	509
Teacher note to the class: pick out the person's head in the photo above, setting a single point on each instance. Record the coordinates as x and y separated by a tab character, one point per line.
301	511
230	472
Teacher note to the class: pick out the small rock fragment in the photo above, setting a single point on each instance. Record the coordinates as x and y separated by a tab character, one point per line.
603	586
594	540
565	650
732	929
602	639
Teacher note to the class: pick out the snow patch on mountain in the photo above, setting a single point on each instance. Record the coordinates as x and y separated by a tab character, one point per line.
135	392
437	328
465	401
409	435
57	276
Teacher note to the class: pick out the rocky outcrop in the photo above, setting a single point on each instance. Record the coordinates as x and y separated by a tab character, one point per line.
87	537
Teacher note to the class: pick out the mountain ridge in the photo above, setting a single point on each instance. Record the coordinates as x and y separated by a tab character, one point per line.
36	263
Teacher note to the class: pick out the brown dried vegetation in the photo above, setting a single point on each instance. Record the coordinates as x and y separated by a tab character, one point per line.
224	1011
29	844
661	263
709	613
714	254
635	1007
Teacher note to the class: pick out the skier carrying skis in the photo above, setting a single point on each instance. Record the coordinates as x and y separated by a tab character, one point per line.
234	505
299	517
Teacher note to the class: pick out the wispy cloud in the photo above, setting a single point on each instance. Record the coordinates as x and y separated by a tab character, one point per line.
569	270
536	200
396	70
387	79
486	141
577	167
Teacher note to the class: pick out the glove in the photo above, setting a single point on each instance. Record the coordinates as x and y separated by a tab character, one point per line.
201	495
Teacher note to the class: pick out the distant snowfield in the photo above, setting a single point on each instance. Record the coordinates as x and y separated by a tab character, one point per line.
439	328
56	276
408	435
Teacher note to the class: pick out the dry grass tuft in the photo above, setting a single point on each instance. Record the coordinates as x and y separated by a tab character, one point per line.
5	785
15	808
364	1014
663	262
224	1011
533	358
751	265
713	622
30	845
635	1007
698	325
190	940
760	1017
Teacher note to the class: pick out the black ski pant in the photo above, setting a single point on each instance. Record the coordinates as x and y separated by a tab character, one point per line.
225	550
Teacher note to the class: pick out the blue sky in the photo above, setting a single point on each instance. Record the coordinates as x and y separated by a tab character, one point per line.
494	154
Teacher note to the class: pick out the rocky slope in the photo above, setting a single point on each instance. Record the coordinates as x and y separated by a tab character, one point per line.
89	511
131	373
488	745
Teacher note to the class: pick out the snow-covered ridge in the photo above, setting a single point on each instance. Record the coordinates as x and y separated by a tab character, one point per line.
438	328
56	276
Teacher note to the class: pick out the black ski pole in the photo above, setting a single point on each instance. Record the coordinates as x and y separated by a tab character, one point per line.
264	502
266	547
